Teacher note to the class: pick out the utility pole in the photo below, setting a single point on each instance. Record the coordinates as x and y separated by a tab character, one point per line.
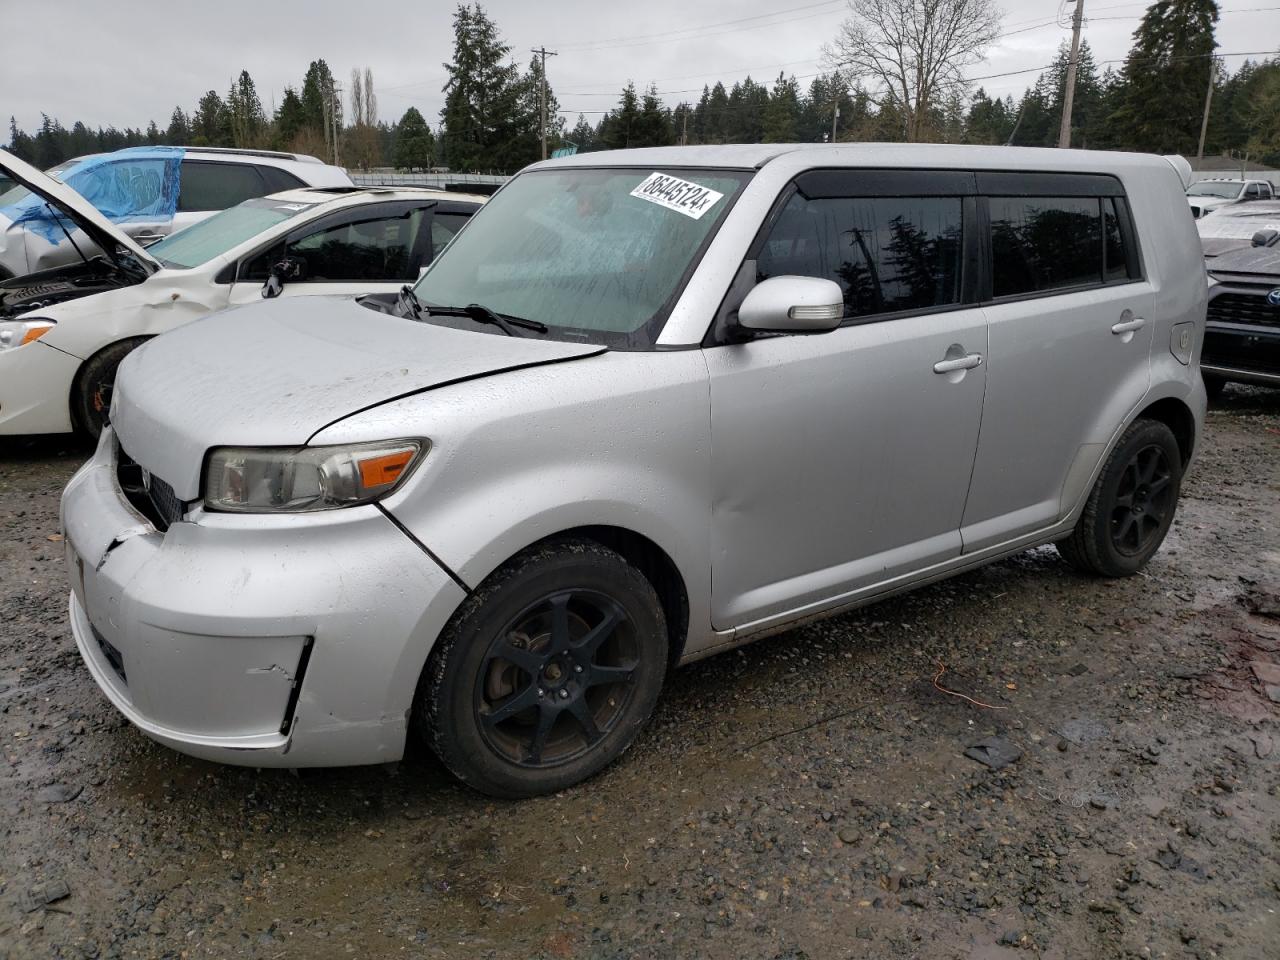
542	94
1208	99
1068	98
684	126
835	118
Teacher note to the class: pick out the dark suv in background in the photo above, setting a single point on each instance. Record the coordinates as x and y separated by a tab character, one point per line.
1242	333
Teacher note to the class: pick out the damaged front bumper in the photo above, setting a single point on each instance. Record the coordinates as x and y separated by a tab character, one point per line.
259	640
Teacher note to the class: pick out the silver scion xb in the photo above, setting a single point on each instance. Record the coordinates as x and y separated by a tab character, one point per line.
646	406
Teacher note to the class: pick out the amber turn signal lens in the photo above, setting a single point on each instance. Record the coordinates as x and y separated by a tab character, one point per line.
34	333
384	470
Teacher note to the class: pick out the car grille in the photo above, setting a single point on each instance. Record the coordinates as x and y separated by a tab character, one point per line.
1243	308
153	497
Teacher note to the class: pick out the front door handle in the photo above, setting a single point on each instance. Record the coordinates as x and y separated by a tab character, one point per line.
1128	326
967	362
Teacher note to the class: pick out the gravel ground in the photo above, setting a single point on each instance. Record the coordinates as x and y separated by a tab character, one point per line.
808	796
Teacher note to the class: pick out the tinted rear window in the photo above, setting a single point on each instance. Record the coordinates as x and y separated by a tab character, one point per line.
217	186
1043	243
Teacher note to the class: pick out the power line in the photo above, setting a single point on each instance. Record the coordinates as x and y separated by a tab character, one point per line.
628	40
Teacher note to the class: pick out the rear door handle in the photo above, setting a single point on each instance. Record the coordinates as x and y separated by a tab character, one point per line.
1128	326
959	363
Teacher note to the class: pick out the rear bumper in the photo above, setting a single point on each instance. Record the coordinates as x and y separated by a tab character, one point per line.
263	641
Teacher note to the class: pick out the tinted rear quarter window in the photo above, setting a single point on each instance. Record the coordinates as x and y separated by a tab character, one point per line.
888	254
216	186
1041	243
277	180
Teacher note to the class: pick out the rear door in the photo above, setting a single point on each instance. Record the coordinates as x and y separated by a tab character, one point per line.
1071	322
207	186
842	460
374	248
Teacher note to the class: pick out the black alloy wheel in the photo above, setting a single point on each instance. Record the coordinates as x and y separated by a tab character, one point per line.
557	679
1131	506
1143	502
547	672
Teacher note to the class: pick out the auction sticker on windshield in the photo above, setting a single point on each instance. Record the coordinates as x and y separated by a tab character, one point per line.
676	194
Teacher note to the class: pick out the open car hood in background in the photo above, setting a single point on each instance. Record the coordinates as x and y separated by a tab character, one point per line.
77	209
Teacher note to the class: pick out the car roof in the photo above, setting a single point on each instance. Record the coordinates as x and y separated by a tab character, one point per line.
755	155
355	196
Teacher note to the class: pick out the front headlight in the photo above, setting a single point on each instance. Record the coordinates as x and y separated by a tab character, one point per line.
301	479
15	333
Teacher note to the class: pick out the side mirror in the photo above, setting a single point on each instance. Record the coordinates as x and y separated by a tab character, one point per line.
287	268
1265	238
792	305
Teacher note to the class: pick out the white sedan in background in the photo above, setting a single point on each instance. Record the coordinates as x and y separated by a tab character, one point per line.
64	331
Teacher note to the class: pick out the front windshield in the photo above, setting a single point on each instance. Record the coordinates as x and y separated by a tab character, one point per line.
1228	189
18	193
596	255
201	242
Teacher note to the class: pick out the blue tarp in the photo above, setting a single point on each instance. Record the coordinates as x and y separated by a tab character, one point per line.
135	184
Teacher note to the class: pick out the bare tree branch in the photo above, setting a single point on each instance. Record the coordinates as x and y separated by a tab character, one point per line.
913	53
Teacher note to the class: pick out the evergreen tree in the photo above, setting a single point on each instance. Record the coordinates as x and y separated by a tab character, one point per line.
414	144
583	135
655	121
20	143
245	115
210	124
179	131
620	129
482	111
290	119
782	112
988	121
1165	76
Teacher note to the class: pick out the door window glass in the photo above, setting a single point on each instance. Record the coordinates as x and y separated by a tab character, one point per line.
216	186
886	253
1041	243
443	227
278	180
375	249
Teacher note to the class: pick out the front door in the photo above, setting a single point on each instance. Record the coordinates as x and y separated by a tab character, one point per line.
1071	329
842	460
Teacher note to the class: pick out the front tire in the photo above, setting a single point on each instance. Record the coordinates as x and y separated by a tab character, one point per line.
1131	507
91	397
546	673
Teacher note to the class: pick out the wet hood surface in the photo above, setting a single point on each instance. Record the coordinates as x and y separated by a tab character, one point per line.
274	373
1264	261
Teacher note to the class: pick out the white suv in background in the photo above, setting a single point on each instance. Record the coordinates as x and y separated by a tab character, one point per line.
1206	196
149	192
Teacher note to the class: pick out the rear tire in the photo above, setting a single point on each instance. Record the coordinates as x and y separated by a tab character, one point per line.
1131	507
546	673
91	397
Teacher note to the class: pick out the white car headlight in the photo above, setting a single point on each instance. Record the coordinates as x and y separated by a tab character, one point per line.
15	333
302	479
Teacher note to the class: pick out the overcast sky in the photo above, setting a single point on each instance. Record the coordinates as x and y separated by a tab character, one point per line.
133	61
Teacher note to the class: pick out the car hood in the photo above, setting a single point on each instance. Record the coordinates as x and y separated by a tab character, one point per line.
1261	264
275	373
1209	203
77	209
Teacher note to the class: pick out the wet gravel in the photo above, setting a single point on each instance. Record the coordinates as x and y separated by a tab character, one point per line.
806	797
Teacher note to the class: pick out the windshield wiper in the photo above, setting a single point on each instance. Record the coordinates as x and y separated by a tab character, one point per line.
410	302
478	312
